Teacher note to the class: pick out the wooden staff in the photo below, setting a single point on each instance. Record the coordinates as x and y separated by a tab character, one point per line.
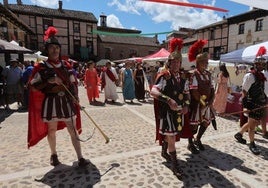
107	139
242	111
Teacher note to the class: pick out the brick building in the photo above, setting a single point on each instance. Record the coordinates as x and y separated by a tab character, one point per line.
74	28
116	43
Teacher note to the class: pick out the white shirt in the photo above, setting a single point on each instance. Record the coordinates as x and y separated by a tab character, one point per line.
265	72
248	80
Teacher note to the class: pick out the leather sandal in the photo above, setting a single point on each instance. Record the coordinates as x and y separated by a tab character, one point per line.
54	161
83	162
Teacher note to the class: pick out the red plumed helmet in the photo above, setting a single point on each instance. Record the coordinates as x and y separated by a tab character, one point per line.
49	36
261	51
195	49
175	46
259	56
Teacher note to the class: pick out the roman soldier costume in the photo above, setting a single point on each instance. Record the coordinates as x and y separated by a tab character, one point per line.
170	122
49	101
202	94
254	100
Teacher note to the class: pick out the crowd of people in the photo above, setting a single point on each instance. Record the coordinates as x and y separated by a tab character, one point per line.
185	102
14	83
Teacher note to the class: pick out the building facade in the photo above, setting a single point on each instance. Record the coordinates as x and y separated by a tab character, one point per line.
232	33
74	28
81	37
247	29
116	43
12	28
217	36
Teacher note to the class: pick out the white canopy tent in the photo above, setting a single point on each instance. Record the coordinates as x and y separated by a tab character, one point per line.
35	57
245	55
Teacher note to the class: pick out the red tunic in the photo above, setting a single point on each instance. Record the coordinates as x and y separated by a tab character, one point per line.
91	82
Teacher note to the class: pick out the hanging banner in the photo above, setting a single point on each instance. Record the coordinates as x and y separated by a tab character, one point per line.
128	34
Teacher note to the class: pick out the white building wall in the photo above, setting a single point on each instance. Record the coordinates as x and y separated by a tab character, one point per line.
249	37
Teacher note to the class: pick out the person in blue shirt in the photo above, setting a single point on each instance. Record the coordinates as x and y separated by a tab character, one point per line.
25	78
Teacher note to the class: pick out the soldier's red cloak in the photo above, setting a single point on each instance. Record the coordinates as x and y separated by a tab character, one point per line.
37	129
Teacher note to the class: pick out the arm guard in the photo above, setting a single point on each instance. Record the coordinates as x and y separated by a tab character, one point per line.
163	98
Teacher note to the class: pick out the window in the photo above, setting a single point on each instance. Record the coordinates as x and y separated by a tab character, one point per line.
32	21
241	29
33	44
15	34
259	24
133	53
77	45
121	55
107	53
76	28
47	23
90	47
217	53
89	29
212	34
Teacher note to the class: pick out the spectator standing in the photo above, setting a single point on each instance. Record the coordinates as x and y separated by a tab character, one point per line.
139	78
91	82
13	78
128	87
221	91
25	78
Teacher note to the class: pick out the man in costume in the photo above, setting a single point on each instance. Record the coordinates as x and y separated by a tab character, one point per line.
109	79
171	102
264	119
202	95
254	100
54	101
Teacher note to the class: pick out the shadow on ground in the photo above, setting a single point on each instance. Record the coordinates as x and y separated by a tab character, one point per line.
5	114
201	169
71	176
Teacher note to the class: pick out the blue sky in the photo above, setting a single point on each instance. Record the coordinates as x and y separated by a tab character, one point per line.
145	16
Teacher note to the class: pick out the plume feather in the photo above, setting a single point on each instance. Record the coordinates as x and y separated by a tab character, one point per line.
175	44
261	51
195	49
50	32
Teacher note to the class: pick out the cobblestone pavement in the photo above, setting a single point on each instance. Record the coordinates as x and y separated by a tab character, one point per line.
131	158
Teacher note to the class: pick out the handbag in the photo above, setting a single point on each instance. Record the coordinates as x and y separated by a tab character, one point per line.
230	98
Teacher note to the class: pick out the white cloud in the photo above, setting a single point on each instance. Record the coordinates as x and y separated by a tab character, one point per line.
127	5
113	21
46	3
177	16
